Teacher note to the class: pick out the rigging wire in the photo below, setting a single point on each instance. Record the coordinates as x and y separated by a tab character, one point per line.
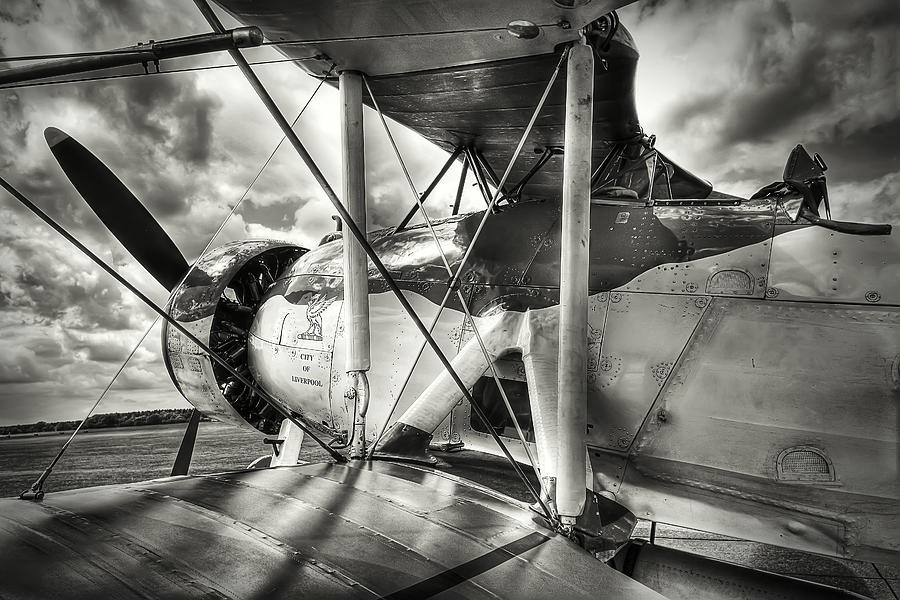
499	192
291	42
37	487
295	41
454	279
388	36
263	167
298	419
144	74
449	269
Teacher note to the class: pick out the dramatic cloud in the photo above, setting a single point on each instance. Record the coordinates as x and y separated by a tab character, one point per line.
729	87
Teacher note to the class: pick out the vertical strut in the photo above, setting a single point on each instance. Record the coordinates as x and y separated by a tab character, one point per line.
480	178
317	174
434	182
573	285
459	189
356	279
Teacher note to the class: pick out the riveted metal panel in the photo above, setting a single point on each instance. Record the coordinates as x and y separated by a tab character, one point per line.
642	337
291	345
817	264
723	250
313	531
762	377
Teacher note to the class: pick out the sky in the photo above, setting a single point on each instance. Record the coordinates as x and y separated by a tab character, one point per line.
728	87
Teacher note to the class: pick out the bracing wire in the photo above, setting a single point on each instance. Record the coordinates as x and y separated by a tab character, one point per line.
263	167
291	42
37	486
389	36
145	74
449	269
465	257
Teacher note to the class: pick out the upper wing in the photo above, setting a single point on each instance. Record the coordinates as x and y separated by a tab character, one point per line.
453	73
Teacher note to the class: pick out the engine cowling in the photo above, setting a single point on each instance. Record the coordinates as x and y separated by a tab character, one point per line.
217	304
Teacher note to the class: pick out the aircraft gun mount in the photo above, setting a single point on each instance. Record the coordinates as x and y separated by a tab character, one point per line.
217	303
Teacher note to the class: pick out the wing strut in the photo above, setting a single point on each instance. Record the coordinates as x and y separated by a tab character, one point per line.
186	449
356	266
350	224
288	414
437	179
573	284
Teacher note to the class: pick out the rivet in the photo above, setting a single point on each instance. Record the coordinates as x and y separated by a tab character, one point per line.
796	527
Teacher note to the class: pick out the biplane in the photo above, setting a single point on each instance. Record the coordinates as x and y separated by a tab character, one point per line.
651	347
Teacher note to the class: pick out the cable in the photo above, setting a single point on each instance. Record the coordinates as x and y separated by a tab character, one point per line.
33	57
37	488
449	269
262	168
144	74
518	150
387	36
295	417
4	59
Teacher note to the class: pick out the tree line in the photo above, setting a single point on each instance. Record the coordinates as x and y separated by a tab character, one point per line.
160	416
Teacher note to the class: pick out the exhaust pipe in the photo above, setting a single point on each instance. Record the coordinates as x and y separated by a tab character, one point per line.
679	575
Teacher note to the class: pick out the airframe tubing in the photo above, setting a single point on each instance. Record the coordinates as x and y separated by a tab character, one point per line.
356	268
356	278
480	178
437	178
459	190
151	52
437	242
573	284
267	100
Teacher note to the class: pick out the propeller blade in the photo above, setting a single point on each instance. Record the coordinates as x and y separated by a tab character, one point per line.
186	450
120	211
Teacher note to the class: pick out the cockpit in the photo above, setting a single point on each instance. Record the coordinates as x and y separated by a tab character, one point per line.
640	172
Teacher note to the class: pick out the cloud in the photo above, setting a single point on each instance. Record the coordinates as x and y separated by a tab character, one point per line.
731	87
20	366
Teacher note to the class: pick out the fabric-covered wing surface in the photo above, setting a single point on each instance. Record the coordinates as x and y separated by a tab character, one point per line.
469	82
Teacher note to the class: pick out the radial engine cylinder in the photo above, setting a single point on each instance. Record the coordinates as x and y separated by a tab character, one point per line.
217	304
